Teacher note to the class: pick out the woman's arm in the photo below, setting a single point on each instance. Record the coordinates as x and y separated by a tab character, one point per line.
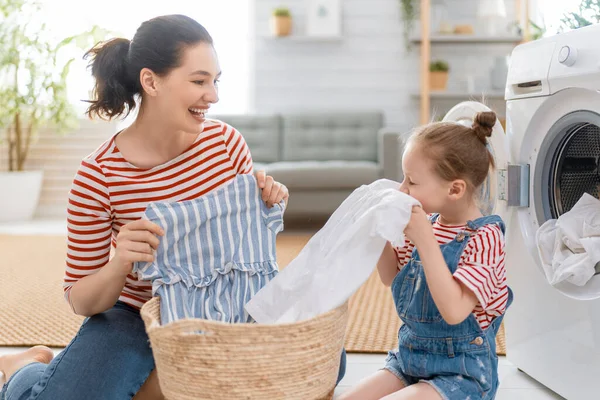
92	283
136	242
89	225
98	292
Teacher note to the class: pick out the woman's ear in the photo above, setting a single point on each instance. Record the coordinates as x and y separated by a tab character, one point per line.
457	189
149	81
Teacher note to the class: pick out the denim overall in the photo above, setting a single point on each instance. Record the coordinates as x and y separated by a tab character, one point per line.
460	360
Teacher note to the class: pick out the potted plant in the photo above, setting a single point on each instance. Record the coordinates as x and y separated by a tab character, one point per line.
33	95
438	75
281	21
409	10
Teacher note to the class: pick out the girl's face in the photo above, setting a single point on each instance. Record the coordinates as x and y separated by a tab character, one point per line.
421	181
186	93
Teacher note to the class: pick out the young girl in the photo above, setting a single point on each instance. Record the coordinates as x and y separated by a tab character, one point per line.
448	281
171	152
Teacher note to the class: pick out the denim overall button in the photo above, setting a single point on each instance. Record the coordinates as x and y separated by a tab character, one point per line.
460	237
478	341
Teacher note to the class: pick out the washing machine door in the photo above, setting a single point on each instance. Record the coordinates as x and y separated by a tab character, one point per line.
493	194
559	137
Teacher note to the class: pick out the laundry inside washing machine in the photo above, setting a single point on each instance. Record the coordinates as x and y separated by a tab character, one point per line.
571	176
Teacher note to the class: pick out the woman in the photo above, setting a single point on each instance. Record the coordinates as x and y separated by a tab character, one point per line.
169	153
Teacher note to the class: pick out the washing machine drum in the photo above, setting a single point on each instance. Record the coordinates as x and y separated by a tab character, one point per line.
570	163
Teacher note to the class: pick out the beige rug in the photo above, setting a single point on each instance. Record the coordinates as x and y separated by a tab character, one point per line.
33	307
33	310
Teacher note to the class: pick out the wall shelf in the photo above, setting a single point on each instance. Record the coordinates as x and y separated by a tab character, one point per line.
457	94
302	38
425	39
464	38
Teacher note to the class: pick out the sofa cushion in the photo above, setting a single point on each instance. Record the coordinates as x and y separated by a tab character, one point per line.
331	136
261	132
258	166
319	175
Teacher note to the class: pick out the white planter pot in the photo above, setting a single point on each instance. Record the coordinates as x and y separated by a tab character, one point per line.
19	195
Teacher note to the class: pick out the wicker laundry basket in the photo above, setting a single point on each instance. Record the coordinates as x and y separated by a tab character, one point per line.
246	361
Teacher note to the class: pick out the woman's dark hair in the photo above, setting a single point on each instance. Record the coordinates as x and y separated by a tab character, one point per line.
158	45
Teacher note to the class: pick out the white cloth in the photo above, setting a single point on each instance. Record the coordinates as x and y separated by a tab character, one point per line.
569	247
339	258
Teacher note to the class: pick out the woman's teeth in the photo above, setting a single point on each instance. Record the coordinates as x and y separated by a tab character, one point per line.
197	111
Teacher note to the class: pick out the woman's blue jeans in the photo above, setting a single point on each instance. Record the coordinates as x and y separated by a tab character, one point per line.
109	359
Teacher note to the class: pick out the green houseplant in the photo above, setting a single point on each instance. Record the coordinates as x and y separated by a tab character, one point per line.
281	21
409	10
438	75
587	13
537	31
33	95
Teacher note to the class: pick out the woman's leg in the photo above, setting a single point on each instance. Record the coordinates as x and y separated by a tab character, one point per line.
12	363
150	390
418	391
109	358
376	386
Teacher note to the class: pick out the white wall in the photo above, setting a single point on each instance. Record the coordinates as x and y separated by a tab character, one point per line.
368	68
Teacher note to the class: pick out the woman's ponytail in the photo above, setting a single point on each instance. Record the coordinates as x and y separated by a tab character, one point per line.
115	89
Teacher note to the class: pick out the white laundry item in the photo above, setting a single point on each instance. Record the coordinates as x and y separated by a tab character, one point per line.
569	247
339	258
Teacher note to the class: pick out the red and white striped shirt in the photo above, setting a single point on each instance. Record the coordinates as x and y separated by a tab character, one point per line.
481	267
109	192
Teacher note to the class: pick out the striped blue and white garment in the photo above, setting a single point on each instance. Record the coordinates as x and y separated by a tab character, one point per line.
217	252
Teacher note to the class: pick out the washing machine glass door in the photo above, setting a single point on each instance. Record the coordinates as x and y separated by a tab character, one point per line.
489	198
564	149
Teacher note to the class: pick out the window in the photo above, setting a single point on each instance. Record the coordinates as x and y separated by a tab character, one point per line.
552	11
226	21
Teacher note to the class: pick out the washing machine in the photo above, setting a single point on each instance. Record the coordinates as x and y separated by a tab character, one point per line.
546	160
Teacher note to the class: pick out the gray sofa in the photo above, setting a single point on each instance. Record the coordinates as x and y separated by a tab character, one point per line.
321	158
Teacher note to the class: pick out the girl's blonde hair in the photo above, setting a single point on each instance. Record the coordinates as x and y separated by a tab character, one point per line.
459	151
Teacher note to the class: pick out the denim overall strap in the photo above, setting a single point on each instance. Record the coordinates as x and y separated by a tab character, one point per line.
486	220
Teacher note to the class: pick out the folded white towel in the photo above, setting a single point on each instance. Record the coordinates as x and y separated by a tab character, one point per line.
569	247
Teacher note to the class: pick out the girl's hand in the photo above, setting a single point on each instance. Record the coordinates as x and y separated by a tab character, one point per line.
272	192
419	227
136	242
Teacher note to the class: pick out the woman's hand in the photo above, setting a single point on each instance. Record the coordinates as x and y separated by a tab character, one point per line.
272	192
136	242
419	227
